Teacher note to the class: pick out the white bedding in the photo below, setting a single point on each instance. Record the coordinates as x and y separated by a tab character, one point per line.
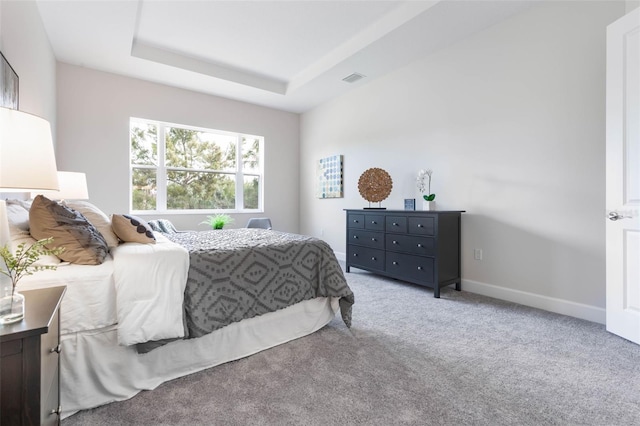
139	287
90	300
150	280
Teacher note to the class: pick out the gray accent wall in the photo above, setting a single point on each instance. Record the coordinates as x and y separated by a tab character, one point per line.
512	122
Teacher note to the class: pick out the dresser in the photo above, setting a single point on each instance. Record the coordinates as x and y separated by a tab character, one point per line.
420	247
30	362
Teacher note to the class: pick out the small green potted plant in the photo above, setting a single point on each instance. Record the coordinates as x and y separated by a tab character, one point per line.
423	182
218	221
16	266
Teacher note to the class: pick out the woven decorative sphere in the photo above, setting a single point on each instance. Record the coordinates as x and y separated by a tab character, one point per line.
375	185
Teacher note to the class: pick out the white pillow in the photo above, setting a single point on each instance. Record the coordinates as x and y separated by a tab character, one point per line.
97	218
18	218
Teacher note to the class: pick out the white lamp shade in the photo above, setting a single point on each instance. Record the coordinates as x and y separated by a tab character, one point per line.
73	186
27	160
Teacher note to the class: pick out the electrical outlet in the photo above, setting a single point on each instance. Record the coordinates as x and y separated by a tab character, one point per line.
477	254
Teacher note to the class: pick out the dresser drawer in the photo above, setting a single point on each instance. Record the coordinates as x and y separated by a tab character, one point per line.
422	225
366	238
355	220
396	224
366	257
422	246
374	222
411	268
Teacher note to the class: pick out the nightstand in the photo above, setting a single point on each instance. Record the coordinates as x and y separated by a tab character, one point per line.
30	362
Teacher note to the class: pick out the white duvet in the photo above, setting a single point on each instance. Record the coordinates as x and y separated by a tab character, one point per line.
150	280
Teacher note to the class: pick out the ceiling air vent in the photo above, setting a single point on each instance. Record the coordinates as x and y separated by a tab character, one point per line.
353	77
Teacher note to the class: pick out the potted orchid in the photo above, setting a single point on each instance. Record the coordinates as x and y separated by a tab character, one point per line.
17	265
423	182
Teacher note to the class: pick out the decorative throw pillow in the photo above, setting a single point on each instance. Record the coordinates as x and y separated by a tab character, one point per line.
97	218
132	229
82	242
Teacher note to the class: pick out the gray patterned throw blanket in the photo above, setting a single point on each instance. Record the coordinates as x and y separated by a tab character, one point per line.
242	273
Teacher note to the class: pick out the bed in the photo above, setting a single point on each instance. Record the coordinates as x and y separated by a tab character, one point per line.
192	300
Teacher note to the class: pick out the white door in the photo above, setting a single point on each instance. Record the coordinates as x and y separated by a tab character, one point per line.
623	177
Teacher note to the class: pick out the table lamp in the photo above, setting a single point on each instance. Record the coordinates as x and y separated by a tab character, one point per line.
73	186
27	161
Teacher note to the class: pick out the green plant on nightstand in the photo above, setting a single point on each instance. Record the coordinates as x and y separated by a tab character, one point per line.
17	265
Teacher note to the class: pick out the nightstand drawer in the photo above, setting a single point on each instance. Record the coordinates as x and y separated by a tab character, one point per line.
423	246
355	221
366	238
366	257
51	402
49	360
424	225
410	268
396	224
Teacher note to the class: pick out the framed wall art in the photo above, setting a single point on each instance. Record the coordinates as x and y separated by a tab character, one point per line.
8	84
329	173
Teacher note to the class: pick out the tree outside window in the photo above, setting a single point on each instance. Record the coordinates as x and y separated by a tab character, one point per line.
181	168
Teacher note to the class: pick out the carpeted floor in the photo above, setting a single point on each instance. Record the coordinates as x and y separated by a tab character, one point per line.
410	359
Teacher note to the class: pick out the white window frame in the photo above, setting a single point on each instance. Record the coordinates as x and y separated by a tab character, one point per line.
161	171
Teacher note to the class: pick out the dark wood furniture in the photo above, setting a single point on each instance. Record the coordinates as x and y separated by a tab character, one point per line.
30	362
421	247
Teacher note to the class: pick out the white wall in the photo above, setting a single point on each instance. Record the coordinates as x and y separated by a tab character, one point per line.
93	137
24	42
512	122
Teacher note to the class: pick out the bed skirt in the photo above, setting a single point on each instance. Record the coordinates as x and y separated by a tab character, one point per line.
95	370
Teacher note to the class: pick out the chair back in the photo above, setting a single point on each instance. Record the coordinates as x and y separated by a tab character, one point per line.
259	222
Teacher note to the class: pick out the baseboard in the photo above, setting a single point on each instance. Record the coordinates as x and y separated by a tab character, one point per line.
551	304
559	306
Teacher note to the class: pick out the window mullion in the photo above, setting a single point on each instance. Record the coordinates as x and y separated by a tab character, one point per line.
239	175
161	175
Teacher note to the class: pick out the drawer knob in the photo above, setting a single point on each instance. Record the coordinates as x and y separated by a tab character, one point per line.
355	220
395	242
395	263
355	237
419	245
57	411
419	225
419	268
373	258
395	223
373	239
355	254
57	349
373	222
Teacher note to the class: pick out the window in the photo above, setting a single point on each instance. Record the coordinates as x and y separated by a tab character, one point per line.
181	168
